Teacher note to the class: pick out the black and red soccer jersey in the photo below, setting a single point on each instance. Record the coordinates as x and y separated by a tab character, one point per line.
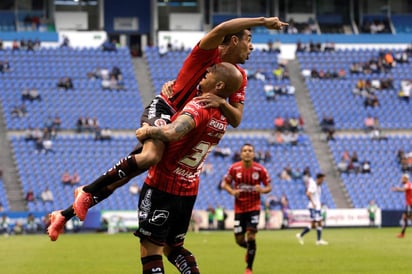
178	172
246	179
192	71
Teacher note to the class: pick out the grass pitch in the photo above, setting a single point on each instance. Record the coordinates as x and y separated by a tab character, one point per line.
349	251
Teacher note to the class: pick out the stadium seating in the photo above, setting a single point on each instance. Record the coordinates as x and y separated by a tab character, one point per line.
78	153
385	169
334	97
42	69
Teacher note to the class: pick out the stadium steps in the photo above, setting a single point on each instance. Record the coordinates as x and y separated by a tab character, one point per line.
143	79
312	128
11	180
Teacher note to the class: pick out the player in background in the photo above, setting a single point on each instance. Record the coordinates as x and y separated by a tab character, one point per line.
246	180
171	186
314	194
230	42
407	214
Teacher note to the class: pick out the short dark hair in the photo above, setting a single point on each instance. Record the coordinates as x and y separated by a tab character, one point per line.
320	175
239	35
249	145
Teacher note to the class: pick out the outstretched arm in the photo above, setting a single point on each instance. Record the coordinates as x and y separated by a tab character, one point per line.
171	132
215	37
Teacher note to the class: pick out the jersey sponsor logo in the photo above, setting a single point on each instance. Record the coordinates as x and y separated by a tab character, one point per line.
152	109
165	116
145	232
146	204
160	122
191	110
159	217
246	187
142	215
217	125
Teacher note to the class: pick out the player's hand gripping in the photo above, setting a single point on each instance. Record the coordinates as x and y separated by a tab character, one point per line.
141	133
167	88
210	100
274	23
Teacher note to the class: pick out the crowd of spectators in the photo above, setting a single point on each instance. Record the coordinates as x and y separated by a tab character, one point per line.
350	163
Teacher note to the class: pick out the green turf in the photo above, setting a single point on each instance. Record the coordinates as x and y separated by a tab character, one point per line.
349	251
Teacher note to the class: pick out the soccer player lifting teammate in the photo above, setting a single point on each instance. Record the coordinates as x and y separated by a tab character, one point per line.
229	42
170	189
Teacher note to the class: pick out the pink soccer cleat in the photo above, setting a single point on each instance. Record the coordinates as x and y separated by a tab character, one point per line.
82	202
248	271
57	223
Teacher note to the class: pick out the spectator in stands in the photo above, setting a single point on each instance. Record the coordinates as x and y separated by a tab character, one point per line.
328	127
207	169
279	123
15	45
269	92
222	152
306	175
75	178
47	195
369	123
300	47
1	45
343	165
1	204
109	45
19	111
47	146
371	100
5	224
276	138
66	42
80	124
286	174
134	189
405	92
366	167
30	95
5	66
103	134
31	224
66	178
30	197
65	83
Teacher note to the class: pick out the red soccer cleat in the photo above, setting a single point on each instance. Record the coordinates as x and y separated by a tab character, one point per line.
248	271
57	223
82	202
401	235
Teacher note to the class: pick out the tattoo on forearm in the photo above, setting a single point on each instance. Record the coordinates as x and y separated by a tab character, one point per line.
172	131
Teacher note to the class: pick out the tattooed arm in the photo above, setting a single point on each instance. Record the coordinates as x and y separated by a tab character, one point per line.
171	132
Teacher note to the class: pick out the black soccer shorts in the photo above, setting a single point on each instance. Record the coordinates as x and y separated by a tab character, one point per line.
163	218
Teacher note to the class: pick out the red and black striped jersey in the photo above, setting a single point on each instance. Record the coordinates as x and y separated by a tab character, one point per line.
192	71
178	171
246	179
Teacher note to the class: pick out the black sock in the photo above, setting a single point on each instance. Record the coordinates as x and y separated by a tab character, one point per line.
405	225
125	169
251	251
152	264
183	260
68	213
